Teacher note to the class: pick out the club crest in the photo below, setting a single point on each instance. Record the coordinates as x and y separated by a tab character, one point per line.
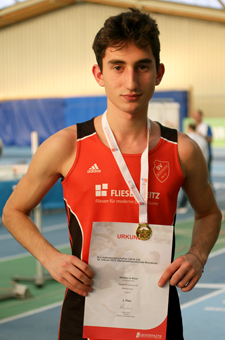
161	170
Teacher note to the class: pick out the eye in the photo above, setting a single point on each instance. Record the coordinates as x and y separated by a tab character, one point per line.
143	67
117	68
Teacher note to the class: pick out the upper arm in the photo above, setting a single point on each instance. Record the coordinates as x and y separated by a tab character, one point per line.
196	184
52	161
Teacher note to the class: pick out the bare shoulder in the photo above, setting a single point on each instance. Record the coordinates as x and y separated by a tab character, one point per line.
190	154
186	145
64	139
58	152
52	161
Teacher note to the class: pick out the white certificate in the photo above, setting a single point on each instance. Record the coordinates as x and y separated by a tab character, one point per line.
126	302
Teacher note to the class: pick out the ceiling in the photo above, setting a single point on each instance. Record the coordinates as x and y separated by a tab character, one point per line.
217	4
13	11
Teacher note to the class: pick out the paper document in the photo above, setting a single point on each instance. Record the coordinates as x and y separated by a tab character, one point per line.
126	302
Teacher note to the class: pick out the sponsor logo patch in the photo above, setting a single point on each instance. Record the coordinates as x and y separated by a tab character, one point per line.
94	169
101	190
148	336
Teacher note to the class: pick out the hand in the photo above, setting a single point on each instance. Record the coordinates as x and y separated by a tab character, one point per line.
184	272
72	273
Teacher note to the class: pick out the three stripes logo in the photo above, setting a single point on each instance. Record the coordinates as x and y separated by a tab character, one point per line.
94	169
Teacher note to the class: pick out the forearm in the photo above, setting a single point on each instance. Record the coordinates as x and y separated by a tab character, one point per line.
23	229
205	233
66	269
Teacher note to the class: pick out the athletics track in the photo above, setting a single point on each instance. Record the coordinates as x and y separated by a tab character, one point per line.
37	318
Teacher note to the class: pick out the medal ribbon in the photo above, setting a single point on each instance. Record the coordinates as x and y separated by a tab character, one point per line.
142	196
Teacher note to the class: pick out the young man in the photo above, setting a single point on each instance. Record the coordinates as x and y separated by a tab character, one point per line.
127	50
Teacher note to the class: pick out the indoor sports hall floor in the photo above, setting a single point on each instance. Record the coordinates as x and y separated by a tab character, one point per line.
37	317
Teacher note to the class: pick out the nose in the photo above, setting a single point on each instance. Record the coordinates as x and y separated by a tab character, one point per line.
131	79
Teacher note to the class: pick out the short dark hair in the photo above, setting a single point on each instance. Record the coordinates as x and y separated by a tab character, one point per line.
192	126
200	112
128	27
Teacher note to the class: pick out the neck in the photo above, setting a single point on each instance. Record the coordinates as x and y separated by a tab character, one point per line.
127	125
131	135
130	131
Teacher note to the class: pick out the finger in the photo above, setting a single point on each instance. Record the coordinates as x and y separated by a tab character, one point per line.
69	271
79	275
76	286
77	268
186	278
84	267
190	285
168	273
180	274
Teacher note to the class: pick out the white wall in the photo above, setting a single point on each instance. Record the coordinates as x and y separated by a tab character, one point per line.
51	56
194	54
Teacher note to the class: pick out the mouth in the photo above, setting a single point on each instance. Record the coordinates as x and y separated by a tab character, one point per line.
131	97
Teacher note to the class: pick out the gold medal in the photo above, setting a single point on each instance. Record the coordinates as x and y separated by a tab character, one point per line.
143	232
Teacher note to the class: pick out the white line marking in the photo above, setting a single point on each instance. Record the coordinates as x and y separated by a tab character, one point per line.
215	309
219	185
216	286
18	256
211	285
45	230
184	232
33	312
217	253
14	257
218	174
55	227
202	298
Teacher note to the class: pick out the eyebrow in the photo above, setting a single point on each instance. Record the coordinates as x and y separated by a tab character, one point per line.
141	61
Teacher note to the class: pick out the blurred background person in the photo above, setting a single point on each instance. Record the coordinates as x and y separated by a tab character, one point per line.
205	131
203	144
1	147
199	139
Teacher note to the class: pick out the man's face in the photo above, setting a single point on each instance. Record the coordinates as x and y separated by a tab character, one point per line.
129	77
197	117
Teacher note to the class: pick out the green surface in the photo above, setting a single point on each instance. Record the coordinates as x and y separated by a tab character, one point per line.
50	293
183	237
218	129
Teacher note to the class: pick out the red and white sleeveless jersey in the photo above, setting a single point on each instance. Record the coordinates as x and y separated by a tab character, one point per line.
95	190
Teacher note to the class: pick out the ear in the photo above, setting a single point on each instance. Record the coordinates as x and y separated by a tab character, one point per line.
160	74
98	75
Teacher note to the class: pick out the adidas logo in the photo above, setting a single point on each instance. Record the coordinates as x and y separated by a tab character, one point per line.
94	169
